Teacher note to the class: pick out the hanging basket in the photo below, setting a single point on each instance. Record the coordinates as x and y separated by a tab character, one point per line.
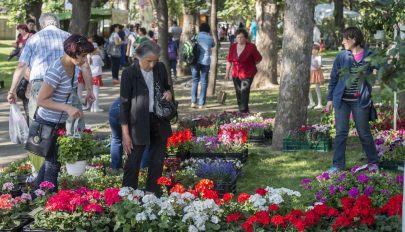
77	168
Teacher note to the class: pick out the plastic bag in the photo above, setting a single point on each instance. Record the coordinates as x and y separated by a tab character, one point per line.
18	127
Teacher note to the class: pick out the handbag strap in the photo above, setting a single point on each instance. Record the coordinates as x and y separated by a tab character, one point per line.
67	99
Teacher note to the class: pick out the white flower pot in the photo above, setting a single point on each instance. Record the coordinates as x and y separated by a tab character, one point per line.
77	168
379	35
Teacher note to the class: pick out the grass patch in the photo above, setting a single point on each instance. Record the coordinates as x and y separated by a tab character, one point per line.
6	67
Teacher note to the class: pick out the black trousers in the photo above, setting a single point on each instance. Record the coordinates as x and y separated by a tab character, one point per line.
157	155
242	88
115	67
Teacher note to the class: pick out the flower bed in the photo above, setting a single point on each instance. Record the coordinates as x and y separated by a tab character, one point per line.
390	146
315	138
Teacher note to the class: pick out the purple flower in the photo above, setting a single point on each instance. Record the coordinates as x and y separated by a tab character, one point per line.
400	179
26	196
8	186
379	141
368	191
342	177
353	192
386	192
363	178
319	195
332	189
306	183
46	185
323	176
39	192
341	188
354	168
323	200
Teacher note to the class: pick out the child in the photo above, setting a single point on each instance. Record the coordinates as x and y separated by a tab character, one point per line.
96	64
172	50
316	77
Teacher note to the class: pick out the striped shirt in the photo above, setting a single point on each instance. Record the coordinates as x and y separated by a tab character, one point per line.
62	86
353	93
42	49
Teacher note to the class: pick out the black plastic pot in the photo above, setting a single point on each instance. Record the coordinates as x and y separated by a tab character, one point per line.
20	227
242	156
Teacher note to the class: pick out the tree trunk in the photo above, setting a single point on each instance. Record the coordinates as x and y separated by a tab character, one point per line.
297	46
187	33
214	57
339	21
162	21
34	11
79	23
93	26
266	42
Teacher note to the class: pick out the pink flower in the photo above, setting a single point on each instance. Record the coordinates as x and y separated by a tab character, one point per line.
8	186
46	185
93	208
39	192
26	196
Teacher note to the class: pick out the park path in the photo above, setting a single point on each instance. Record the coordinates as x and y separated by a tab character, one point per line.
10	152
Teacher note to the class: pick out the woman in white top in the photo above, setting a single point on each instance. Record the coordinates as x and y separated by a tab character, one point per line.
96	66
115	60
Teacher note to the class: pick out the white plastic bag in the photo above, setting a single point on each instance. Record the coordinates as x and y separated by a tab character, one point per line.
18	127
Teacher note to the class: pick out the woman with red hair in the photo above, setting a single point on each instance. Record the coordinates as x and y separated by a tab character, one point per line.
22	38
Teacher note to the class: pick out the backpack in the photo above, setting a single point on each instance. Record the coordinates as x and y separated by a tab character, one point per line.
190	51
172	50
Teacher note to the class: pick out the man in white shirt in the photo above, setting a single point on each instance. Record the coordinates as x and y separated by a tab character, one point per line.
176	32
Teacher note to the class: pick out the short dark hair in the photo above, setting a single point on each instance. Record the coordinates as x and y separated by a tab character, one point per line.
151	33
77	45
353	33
242	31
142	30
112	28
205	27
30	21
23	27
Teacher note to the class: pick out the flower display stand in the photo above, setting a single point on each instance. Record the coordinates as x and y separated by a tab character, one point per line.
322	145
20	227
290	144
392	165
223	188
242	156
77	168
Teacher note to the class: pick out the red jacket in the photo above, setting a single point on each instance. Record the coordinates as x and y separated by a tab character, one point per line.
244	66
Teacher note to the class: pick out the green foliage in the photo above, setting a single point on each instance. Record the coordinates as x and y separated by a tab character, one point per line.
76	148
243	9
54	6
175	8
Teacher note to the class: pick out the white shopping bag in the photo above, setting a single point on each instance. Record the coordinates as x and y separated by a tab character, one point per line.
18	127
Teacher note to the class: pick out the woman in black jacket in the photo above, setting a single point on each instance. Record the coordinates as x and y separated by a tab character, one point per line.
140	126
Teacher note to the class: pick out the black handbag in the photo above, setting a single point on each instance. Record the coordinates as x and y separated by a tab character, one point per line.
162	108
22	88
41	136
373	113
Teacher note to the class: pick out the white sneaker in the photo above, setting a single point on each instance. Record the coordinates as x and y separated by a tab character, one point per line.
200	107
97	110
310	106
318	107
193	105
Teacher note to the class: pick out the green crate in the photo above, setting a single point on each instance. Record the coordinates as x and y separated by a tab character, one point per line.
290	144
322	145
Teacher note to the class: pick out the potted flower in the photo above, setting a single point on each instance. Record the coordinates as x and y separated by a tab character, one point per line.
178	144
12	211
390	146
74	151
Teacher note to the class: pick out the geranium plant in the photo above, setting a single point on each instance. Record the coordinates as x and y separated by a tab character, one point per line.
180	141
80	146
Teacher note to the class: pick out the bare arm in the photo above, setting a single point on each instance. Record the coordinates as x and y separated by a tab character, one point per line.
88	81
12	97
228	69
45	100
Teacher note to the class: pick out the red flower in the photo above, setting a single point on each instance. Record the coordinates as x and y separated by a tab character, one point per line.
332	212
61	132
311	218
178	188
88	131
227	196
262	217
261	191
111	196
299	224
6	201
209	194
234	217
204	184
164	181
247	227
278	220
243	197
321	210
347	202
274	207
93	208
342	221
394	206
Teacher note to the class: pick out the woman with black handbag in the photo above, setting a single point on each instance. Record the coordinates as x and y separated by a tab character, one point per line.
54	101
140	124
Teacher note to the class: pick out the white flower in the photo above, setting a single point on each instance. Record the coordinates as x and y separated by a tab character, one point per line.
140	217
214	219
192	228
124	191
149	198
258	201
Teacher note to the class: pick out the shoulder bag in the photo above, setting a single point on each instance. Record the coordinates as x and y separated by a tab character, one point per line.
41	137
113	49
22	88
162	108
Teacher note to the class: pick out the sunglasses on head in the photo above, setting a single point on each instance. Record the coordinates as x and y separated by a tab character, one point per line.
81	40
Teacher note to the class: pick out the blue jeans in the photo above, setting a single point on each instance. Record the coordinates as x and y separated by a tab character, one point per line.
116	138
361	117
173	64
49	170
199	72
